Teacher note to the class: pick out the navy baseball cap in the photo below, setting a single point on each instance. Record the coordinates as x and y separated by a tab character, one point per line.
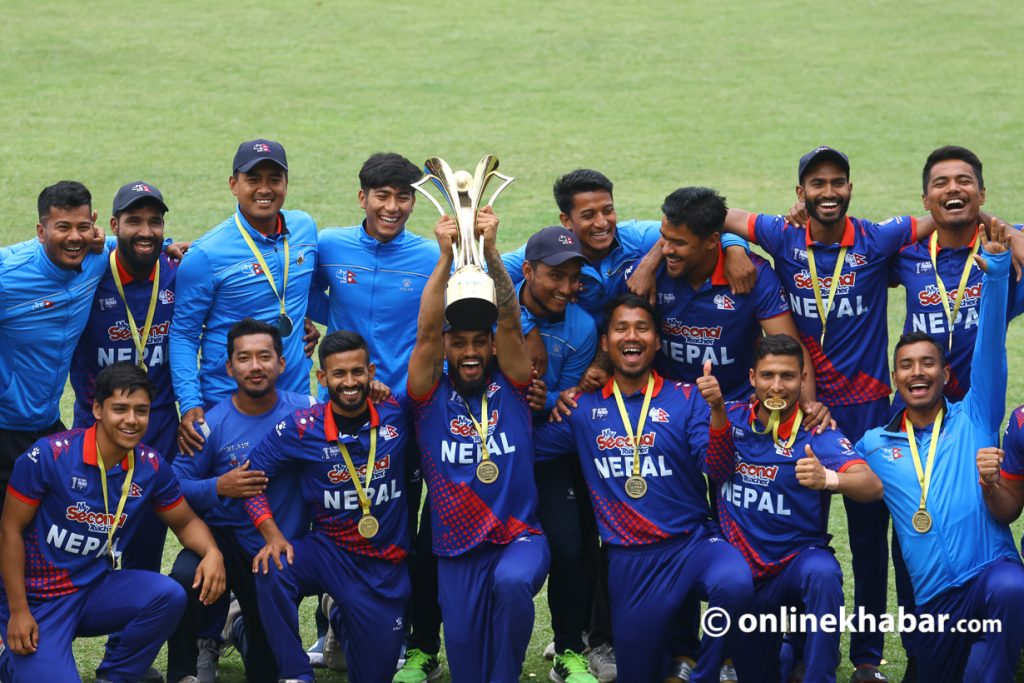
134	192
253	152
553	246
819	154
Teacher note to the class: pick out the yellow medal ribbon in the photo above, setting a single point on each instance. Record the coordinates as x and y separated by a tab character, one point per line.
138	339
773	427
364	501
479	426
125	488
933	251
263	264
634	439
822	310
924	474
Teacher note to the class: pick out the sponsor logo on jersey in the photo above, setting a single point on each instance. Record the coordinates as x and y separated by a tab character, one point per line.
598	413
388	432
609	440
724	303
784	451
492	389
120	331
923	267
694	334
43	304
339	473
406	284
758	475
892	454
97	521
166	296
931	296
803	280
279	427
657	415
78	483
33	454
345	276
666	298
135	491
462	426
107	304
256	268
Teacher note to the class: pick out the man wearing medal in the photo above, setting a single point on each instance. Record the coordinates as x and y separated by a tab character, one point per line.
641	440
775	482
473	426
259	263
349	454
962	561
73	509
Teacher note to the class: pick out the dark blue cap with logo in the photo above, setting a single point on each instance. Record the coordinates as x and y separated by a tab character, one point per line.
821	154
553	246
253	152
135	192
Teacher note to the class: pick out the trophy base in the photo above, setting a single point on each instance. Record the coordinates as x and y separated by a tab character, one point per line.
471	314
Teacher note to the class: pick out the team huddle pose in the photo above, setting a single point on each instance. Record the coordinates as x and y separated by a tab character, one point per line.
658	418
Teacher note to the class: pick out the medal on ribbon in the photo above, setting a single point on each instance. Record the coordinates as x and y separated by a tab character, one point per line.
922	519
636	486
951	313
486	470
823	309
368	524
776	406
112	522
139	338
284	323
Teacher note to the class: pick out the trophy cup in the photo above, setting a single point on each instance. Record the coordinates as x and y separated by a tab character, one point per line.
470	298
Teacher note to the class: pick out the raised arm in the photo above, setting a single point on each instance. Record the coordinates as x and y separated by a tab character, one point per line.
513	356
986	399
736	221
426	362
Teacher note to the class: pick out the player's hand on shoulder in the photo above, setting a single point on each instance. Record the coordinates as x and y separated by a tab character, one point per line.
740	271
565	404
817	417
176	250
797	216
379	392
242	482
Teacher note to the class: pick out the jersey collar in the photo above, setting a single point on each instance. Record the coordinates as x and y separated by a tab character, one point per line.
785	428
331	427
659	381
718	274
282	227
126	277
970	245
89	449
846	241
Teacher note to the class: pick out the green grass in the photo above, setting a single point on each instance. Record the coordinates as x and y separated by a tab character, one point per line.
656	94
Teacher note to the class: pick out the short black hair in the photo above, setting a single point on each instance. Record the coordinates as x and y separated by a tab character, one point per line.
145	201
575	182
908	338
628	300
952	152
701	209
248	326
342	341
778	345
67	194
387	169
127	377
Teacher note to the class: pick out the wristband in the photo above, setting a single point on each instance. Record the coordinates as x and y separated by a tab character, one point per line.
831	480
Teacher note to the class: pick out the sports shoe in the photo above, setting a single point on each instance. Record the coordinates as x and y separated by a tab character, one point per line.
549	651
570	667
602	663
234	613
419	667
152	676
316	653
189	679
866	672
681	670
206	663
727	674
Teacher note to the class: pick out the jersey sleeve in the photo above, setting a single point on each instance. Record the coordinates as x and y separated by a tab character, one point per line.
513	261
166	491
1013	446
835	451
986	399
194	476
270	455
319	303
771	299
194	292
31	479
719	459
554	438
583	352
767	231
698	426
894	234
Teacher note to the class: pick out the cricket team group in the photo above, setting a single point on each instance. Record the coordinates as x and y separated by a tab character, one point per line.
659	417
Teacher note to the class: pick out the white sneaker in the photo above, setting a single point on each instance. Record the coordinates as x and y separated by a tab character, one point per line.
549	651
727	674
234	613
316	653
189	679
602	663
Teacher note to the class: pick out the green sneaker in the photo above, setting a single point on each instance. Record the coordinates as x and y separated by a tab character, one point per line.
570	667
419	667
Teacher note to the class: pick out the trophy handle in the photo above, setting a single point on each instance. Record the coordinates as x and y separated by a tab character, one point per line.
418	185
507	180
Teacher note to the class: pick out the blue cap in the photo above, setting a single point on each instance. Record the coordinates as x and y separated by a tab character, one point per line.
553	246
253	152
134	192
819	154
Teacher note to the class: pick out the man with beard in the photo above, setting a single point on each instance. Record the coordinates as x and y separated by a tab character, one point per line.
641	442
45	297
473	426
935	459
349	454
219	477
836	271
258	263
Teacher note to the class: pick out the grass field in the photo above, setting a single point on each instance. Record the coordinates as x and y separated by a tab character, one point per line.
656	94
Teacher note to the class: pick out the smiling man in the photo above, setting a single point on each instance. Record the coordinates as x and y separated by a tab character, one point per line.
259	263
46	292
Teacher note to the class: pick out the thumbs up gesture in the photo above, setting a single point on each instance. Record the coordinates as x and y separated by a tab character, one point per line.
810	473
709	387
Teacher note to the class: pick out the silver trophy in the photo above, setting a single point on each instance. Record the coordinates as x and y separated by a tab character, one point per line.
469	299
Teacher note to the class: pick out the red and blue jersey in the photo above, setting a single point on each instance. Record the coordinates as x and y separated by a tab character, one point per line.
1013	446
672	448
925	312
306	440
465	512
762	509
847	371
232	435
713	324
66	542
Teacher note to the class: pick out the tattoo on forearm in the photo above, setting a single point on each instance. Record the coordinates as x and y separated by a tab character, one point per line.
504	290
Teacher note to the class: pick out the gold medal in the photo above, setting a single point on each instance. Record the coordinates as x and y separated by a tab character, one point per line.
368	526
774	403
636	487
487	471
958	295
284	323
921	521
824	307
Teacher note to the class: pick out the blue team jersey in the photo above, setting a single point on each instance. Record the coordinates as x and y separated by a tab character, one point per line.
374	289
219	283
107	338
43	311
713	324
570	341
672	448
964	537
762	509
465	512
232	435
306	441
925	313
66	542
848	371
